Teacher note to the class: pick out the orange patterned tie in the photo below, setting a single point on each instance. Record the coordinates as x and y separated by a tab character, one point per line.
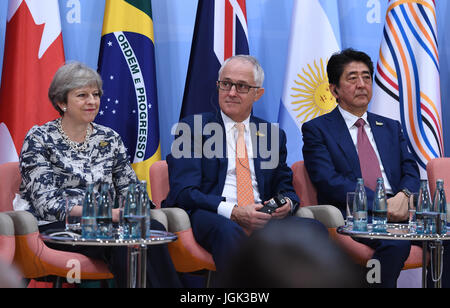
243	177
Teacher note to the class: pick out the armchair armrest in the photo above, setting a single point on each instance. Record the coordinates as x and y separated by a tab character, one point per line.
305	212
178	219
6	225
160	216
24	222
328	215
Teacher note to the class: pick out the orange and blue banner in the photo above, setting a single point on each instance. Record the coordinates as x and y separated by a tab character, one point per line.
407	81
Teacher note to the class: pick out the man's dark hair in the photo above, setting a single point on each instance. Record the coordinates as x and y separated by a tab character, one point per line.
339	60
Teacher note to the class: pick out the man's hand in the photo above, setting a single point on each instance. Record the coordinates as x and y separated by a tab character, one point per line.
398	208
115	215
249	218
283	211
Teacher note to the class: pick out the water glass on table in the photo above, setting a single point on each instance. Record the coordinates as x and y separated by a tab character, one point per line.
104	213
412	205
121	230
72	219
89	213
349	208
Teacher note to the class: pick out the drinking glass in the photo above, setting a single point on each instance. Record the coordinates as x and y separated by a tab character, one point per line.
119	232
412	205
104	212
349	208
89	214
73	222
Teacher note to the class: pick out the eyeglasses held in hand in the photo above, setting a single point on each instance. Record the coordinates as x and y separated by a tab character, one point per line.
240	87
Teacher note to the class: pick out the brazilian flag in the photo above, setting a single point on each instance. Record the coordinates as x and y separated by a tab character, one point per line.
127	66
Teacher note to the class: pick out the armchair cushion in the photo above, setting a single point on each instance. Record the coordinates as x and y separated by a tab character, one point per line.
187	254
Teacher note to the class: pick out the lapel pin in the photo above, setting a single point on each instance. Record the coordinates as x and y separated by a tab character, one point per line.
379	123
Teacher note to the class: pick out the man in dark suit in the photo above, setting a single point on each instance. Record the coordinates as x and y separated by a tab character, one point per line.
331	148
206	166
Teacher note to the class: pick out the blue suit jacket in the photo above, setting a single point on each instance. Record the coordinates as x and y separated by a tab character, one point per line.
332	161
199	182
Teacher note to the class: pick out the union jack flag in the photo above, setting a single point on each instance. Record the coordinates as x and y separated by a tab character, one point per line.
220	32
407	77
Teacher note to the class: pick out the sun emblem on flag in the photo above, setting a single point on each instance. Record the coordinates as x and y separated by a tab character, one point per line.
312	97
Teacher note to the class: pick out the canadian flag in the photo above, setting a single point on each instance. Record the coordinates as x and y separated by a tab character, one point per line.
33	52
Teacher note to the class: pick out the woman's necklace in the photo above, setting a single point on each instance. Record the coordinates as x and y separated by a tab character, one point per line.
74	145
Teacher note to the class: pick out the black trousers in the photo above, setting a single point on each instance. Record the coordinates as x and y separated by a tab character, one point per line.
160	269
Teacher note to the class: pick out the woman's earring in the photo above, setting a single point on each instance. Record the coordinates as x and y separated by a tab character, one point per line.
64	109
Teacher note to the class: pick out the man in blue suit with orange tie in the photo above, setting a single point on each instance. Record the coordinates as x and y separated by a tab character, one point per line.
350	143
225	166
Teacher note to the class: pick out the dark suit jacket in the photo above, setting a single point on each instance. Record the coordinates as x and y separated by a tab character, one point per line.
333	164
199	182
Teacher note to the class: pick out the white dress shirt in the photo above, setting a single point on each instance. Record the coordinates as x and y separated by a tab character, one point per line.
350	120
230	191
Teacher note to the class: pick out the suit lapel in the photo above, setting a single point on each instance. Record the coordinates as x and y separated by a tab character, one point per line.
339	130
223	160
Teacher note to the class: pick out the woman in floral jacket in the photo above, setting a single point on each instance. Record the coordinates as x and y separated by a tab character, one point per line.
60	158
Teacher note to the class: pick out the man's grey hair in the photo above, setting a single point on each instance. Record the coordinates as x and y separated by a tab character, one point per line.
258	71
71	76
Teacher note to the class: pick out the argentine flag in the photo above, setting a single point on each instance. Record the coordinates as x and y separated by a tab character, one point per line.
314	38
